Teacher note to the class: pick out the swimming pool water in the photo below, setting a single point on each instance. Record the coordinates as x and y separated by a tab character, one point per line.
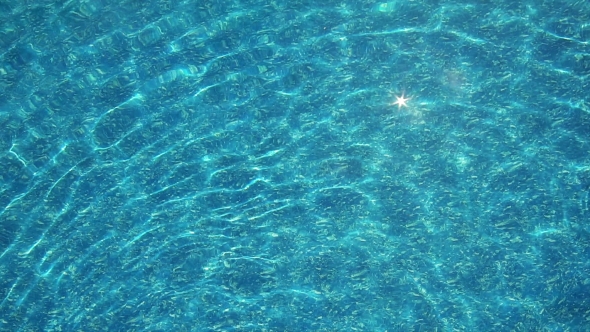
250	166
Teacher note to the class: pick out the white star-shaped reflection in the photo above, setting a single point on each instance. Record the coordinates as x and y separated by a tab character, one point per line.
401	101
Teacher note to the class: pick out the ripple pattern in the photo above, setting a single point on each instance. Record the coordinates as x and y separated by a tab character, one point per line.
242	165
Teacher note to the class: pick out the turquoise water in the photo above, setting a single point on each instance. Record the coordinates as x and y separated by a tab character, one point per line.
294	166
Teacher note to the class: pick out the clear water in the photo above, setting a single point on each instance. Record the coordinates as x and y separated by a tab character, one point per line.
248	166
